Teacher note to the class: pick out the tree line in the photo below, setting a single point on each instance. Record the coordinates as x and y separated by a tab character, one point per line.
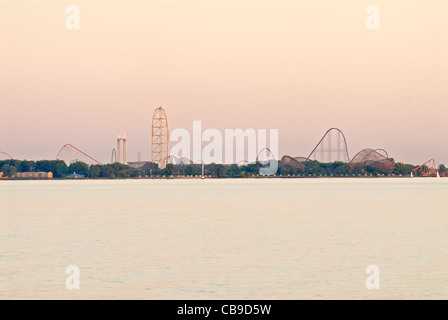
117	170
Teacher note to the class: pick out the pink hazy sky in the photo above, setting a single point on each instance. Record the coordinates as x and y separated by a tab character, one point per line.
299	66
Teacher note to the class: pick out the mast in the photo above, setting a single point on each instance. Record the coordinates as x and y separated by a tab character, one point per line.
202	170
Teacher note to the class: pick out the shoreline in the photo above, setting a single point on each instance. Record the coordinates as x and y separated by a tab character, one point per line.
216	178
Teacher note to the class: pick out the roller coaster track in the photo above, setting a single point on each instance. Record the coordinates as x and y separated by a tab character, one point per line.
327	149
269	152
429	168
4	154
287	160
74	152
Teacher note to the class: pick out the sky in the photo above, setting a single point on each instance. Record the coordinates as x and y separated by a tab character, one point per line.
299	66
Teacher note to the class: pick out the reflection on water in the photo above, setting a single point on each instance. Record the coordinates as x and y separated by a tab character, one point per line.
212	239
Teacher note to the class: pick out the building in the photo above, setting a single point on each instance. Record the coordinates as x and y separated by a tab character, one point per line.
138	164
74	175
33	175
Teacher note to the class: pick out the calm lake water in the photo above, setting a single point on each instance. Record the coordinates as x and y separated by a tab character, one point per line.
218	239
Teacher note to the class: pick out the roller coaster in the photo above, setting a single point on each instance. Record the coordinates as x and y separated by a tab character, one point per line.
293	162
5	156
179	161
265	155
332	147
369	156
71	154
429	169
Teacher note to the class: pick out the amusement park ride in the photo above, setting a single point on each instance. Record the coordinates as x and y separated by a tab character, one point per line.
160	138
429	169
332	147
5	156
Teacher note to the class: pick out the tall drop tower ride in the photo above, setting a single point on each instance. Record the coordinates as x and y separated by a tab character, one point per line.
160	138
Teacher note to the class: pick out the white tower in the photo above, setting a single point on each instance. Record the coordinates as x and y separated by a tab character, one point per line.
121	138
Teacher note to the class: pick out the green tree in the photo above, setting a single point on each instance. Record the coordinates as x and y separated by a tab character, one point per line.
217	170
94	171
79	167
169	169
8	170
26	166
190	170
234	171
60	169
403	169
107	172
288	169
123	174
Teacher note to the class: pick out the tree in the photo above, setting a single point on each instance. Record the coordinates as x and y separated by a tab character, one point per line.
123	174
288	169
57	167
94	171
403	169
217	170
107	172
169	170
79	167
234	171
190	170
149	168
26	166
118	169
60	169
8	170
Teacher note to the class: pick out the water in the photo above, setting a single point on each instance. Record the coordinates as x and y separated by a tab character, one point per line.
219	239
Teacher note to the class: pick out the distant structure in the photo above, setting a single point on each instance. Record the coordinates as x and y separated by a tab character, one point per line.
429	169
332	147
4	156
140	164
113	157
74	175
33	175
160	138
369	156
71	154
179	161
382	152
121	139
376	158
293	162
265	155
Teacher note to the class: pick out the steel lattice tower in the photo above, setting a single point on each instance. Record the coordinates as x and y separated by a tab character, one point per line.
160	137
